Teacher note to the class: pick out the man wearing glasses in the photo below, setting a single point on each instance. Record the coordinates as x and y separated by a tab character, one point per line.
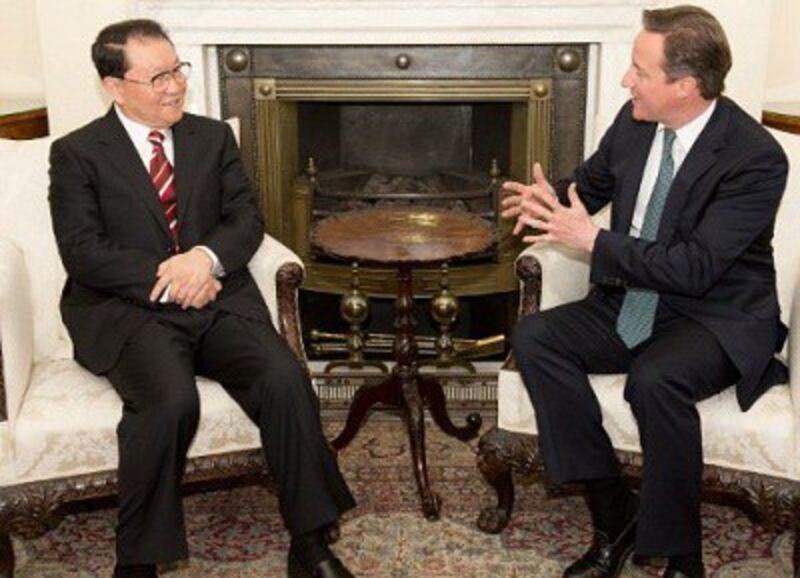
155	222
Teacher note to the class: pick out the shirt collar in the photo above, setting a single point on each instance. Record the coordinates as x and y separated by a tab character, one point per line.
138	132
689	133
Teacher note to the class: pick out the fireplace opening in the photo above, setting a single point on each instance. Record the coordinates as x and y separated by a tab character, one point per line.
442	155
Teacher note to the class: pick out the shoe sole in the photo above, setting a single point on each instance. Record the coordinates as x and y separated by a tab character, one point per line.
296	570
627	553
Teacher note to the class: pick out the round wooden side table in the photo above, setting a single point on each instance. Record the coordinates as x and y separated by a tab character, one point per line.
405	238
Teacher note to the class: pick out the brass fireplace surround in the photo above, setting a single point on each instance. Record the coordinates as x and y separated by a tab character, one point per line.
543	88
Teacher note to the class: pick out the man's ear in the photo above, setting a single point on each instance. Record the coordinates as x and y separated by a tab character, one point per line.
687	86
113	87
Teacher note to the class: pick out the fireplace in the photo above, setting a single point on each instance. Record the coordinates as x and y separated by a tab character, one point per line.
334	128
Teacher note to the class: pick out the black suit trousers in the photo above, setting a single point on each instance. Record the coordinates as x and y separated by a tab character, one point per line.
679	365
155	377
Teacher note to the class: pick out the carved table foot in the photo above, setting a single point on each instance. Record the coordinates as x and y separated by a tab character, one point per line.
433	394
6	556
414	415
388	393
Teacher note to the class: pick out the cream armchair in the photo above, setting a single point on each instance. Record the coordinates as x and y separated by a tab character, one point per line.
752	455
58	429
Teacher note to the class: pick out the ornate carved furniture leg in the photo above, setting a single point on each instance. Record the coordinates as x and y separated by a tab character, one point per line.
414	416
500	455
6	556
405	351
796	548
497	473
435	399
388	393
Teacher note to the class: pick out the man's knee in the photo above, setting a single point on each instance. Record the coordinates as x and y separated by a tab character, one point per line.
283	379
651	383
173	407
530	333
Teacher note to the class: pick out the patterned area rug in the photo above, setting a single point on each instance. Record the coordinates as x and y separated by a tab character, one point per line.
238	532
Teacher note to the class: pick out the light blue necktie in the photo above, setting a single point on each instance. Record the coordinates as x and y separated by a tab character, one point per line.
638	311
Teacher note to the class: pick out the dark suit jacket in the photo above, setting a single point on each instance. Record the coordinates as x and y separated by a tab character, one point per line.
712	260
112	233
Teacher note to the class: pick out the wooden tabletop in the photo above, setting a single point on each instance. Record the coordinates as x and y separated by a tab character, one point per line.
397	235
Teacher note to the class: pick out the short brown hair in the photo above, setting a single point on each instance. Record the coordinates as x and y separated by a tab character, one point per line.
694	45
108	53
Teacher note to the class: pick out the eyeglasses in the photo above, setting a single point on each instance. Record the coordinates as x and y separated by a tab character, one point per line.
160	82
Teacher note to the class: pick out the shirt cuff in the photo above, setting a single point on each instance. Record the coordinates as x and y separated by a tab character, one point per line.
217	270
164	295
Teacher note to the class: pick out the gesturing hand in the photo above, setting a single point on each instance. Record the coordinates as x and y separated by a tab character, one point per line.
537	206
188	277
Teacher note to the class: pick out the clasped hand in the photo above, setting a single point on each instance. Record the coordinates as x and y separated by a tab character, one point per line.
189	279
537	206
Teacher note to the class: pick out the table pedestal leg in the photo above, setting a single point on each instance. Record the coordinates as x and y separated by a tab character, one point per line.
433	396
408	390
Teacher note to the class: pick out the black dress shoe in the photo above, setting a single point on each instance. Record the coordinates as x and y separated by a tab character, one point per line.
135	571
605	558
329	568
673	571
332	533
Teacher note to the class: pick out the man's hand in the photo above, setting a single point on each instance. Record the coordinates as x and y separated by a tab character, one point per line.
188	277
206	295
537	206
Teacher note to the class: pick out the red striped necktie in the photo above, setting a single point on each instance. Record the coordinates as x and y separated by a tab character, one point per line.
164	182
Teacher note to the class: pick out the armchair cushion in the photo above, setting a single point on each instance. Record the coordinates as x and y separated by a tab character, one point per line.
754	441
67	425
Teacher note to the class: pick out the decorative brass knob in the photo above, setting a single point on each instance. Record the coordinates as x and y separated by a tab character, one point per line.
403	61
311	168
568	59
354	307
540	89
444	307
494	170
265	89
237	60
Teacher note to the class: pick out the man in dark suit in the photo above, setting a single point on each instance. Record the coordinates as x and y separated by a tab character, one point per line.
156	222
683	297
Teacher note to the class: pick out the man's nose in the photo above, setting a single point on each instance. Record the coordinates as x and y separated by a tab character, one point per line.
627	79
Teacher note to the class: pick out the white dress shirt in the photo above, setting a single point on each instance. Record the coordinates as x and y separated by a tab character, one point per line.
139	135
685	138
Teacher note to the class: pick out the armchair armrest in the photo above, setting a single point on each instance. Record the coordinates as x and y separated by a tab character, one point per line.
562	275
793	354
16	328
278	272
549	275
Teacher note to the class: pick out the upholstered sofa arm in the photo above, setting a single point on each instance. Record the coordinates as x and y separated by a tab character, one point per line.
279	273
549	275
16	328
793	352
558	275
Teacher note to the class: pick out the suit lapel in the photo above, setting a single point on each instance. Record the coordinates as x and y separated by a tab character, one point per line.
640	143
185	154
701	157
123	156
